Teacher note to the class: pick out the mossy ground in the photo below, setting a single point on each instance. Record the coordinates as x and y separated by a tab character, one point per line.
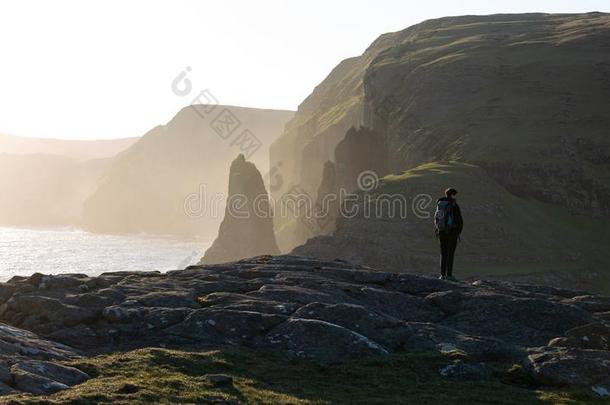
157	375
517	235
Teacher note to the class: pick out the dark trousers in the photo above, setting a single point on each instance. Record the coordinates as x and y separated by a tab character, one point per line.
448	244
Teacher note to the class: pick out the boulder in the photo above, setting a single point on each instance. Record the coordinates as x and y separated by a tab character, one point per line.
591	303
594	336
325	341
219	379
46	309
398	305
57	372
224	325
358	318
524	321
161	318
426	336
36	384
299	294
168	299
124	313
18	342
570	367
43	377
244	302
450	302
62	281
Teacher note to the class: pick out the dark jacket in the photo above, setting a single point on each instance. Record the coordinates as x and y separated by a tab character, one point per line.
457	217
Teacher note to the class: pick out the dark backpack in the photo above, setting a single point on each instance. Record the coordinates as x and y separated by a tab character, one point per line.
443	217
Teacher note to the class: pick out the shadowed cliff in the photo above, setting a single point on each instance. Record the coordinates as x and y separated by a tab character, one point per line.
517	98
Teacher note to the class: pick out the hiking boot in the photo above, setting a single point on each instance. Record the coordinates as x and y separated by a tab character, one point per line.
451	278
441	277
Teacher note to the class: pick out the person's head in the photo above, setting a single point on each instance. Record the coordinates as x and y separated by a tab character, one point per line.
451	193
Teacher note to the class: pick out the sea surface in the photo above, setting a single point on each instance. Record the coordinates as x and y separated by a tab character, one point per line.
52	251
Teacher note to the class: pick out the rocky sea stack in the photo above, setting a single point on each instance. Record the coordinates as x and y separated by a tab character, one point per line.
247	227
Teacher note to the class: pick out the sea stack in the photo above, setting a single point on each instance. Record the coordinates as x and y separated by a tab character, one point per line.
247	227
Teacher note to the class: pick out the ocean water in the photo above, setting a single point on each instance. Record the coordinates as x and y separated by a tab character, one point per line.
52	251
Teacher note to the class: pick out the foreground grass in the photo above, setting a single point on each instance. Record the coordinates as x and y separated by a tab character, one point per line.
156	375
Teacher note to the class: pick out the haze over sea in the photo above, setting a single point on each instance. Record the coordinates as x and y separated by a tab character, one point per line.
57	250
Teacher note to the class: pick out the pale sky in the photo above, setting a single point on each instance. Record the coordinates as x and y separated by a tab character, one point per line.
103	69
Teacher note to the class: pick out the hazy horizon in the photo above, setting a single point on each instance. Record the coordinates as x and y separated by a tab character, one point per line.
97	77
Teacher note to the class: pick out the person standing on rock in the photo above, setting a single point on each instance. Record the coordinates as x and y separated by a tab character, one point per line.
448	223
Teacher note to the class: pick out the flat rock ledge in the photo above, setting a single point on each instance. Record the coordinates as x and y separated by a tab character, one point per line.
304	307
28	363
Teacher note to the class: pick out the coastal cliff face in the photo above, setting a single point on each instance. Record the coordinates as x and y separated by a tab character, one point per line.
45	182
519	98
46	190
168	182
507	92
303	308
247	227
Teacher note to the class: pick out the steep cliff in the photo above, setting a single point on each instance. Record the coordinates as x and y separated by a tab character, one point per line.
521	96
171	181
45	189
518	97
45	182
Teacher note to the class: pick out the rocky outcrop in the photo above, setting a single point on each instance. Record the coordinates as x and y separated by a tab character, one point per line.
22	344
568	367
28	363
325	310
43	377
247	227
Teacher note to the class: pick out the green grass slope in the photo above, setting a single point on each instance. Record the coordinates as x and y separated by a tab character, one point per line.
503	234
163	376
519	95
